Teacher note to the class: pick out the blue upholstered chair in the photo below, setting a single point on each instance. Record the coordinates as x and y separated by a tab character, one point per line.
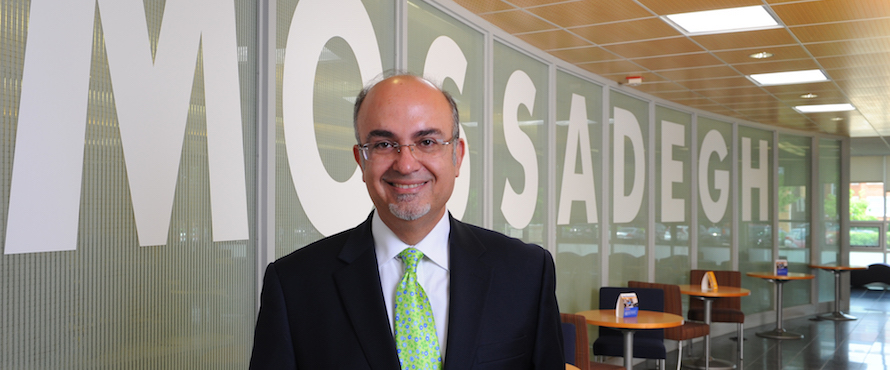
648	344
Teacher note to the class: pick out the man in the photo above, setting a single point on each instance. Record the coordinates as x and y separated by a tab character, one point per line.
335	304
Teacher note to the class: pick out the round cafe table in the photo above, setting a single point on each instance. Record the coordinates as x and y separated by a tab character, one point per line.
708	297
779	280
837	315
571	367
627	325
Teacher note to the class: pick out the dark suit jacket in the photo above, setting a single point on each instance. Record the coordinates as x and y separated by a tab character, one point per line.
322	306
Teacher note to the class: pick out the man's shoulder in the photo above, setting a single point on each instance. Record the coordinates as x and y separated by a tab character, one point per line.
495	241
325	249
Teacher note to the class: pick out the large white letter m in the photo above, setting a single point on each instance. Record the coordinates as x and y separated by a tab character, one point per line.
152	100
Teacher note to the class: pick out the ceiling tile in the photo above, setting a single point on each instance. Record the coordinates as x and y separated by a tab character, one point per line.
648	77
677	45
611	67
734	92
659	87
678	61
665	7
640	29
529	3
698	73
584	54
777	66
746	40
857	60
679	96
517	21
800	88
843	30
556	39
779	53
827	11
586	12
715	83
848	47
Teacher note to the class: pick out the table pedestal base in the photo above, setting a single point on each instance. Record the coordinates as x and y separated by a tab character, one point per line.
837	316
779	333
712	364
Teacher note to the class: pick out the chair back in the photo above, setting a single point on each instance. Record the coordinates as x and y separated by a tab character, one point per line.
673	303
649	300
575	340
725	278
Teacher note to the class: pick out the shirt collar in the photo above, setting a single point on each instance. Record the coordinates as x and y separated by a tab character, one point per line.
434	245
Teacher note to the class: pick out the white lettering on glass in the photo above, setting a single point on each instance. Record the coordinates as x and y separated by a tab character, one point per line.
713	143
330	205
672	135
577	186
519	208
626	206
152	96
754	178
445	60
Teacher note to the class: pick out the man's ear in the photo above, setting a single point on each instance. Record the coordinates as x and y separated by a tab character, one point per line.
358	157
461	149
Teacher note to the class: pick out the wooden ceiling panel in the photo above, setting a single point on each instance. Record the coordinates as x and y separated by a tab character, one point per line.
587	12
698	73
848	39
659	87
828	11
746	40
678	61
642	49
635	30
585	54
791	52
517	21
666	7
715	83
850	47
777	66
556	39
611	67
842	31
857	60
483	6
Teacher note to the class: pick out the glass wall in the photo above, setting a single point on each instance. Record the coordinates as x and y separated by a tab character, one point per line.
673	195
714	229
794	171
756	252
579	113
629	255
520	140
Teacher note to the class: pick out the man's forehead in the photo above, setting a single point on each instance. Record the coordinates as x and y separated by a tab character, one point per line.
382	132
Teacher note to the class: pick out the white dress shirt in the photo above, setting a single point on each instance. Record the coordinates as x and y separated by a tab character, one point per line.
432	271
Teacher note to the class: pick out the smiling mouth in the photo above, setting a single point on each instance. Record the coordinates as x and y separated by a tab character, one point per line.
407	186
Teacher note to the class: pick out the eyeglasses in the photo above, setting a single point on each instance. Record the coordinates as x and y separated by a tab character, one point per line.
387	150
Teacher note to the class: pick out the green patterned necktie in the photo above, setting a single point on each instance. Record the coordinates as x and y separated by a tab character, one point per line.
415	328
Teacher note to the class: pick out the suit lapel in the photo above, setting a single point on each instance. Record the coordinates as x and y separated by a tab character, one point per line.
359	286
470	278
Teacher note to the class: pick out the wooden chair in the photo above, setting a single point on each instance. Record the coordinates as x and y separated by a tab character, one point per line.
727	309
648	343
673	303
578	345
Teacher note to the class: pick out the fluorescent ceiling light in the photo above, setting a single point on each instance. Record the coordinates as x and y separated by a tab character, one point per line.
787	78
824	108
748	18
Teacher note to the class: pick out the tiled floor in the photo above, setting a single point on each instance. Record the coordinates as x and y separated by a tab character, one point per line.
863	344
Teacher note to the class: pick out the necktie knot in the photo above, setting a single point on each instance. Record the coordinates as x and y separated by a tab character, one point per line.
411	257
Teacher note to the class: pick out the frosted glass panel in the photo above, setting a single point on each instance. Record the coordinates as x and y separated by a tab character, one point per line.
755	239
673	195
795	163
829	188
579	113
111	304
714	230
629	159
520	144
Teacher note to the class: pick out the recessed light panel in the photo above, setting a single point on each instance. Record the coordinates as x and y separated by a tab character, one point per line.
746	18
824	108
788	78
